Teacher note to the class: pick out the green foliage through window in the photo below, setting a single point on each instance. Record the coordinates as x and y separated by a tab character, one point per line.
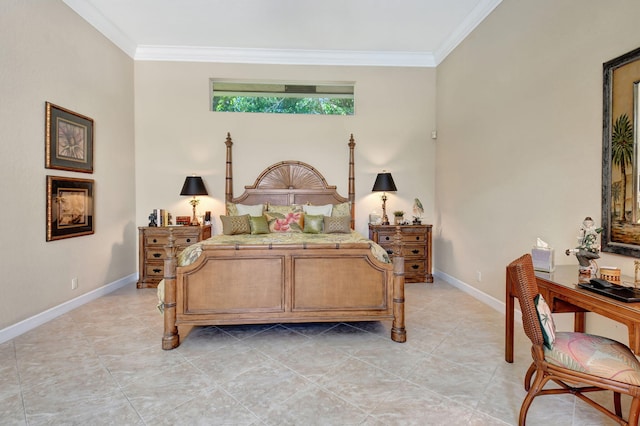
334	99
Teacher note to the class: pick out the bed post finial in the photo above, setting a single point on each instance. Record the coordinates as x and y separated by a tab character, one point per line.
228	187
352	182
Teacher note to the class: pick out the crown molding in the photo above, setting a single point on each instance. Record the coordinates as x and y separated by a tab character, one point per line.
97	20
284	56
477	15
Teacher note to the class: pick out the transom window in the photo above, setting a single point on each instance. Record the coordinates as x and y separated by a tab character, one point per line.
282	98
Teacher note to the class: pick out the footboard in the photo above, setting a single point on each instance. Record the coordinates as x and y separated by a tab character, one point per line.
282	284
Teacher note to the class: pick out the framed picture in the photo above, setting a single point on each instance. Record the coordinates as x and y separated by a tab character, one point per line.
69	207
68	140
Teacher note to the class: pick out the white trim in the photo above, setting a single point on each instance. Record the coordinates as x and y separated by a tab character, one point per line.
283	56
89	13
23	326
477	15
496	304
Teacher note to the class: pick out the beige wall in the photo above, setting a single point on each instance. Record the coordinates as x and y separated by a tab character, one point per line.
48	53
520	120
177	135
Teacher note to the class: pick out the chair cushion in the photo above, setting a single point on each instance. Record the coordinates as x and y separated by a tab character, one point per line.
546	321
595	355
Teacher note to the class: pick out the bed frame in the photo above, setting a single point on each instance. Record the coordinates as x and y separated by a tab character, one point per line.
296	283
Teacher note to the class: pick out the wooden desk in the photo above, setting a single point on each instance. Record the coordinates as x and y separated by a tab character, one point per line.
561	292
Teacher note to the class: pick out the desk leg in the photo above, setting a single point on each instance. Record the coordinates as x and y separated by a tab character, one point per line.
579	322
508	326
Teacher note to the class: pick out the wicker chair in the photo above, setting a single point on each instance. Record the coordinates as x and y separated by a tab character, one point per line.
579	363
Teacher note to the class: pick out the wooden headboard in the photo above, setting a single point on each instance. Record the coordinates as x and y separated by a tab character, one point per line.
291	182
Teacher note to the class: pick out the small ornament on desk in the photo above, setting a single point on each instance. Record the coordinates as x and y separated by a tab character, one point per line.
587	250
153	220
398	216
418	210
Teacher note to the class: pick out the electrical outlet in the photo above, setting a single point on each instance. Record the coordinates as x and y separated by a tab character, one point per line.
478	276
74	283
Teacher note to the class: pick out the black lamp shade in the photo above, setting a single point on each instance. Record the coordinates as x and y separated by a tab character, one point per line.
384	183
193	185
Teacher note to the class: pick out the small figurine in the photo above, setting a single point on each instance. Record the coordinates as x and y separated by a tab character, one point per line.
588	249
418	210
153	219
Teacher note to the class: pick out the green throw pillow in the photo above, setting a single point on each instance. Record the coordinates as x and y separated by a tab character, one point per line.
313	224
259	225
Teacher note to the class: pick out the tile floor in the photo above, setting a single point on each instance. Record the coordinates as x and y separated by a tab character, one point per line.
102	364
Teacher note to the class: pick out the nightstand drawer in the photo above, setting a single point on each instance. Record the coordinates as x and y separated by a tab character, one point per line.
408	250
162	240
413	267
155	270
155	254
387	237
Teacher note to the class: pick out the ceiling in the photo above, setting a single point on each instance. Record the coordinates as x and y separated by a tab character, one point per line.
325	32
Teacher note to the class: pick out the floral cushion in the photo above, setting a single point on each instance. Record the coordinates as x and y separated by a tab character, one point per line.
291	221
546	321
595	355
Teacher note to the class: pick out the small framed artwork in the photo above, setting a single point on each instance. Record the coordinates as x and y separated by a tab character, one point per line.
68	140
183	220
69	207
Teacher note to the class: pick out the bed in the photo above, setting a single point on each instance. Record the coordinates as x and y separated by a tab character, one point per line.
271	278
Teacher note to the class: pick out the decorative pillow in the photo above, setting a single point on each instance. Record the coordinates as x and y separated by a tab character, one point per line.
342	209
255	210
318	210
337	224
295	208
259	225
234	225
595	355
313	223
232	210
546	321
285	222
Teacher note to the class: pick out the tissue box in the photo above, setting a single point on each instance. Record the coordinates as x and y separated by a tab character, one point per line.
543	259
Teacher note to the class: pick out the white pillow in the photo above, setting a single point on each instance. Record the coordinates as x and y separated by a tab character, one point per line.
318	210
255	210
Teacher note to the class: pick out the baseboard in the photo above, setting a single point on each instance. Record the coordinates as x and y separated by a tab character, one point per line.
23	326
491	301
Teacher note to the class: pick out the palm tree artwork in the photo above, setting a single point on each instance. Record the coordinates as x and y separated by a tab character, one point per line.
622	153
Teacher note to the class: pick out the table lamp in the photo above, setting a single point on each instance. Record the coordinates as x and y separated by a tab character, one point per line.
384	183
193	185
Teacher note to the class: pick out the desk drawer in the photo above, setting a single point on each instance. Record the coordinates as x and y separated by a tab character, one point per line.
155	270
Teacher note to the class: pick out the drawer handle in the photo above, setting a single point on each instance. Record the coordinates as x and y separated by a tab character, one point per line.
188	240
417	238
156	255
157	270
415	266
389	251
386	238
415	251
155	241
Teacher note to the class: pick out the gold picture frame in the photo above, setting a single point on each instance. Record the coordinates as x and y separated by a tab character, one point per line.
70	211
621	155
68	140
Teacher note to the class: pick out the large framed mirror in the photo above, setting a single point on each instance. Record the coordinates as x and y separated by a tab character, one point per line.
620	152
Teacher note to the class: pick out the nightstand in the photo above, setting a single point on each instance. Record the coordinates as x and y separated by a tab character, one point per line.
416	248
151	253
